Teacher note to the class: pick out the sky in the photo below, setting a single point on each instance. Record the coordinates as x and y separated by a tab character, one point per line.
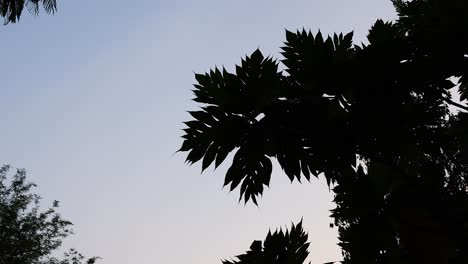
92	101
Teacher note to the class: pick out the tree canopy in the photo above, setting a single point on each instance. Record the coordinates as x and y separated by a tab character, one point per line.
373	119
27	234
11	10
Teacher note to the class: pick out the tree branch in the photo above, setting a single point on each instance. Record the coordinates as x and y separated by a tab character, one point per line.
464	107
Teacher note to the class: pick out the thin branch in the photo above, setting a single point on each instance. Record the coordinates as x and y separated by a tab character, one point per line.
464	107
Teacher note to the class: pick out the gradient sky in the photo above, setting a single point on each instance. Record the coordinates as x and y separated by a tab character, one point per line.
92	104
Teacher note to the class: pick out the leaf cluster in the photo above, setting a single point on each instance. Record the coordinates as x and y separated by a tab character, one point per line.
11	10
278	247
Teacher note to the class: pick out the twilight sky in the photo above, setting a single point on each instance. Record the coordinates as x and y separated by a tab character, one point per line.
92	103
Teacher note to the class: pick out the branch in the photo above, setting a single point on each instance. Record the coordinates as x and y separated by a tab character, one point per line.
464	107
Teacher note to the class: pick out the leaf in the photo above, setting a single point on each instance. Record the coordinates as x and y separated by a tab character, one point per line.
223	151
209	156
186	146
463	88
257	56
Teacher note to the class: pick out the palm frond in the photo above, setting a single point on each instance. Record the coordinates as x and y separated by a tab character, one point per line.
11	10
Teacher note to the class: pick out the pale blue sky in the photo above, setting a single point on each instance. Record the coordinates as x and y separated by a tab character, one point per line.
92	105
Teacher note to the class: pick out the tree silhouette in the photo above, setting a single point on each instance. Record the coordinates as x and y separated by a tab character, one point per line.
373	119
11	10
27	235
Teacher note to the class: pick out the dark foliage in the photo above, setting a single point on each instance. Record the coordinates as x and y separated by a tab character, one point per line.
280	247
374	119
27	235
11	10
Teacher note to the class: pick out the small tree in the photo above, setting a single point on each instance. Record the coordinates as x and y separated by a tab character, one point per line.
27	234
373	119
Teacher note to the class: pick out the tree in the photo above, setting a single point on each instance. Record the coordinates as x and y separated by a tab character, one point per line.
11	10
373	119
27	235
